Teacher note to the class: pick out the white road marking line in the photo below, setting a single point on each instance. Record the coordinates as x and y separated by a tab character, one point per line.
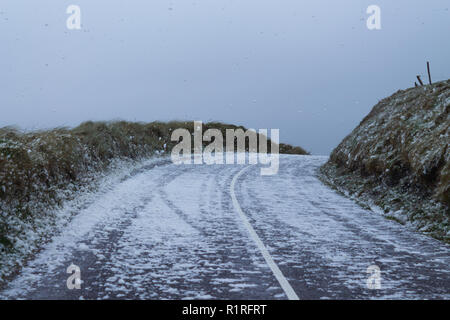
290	293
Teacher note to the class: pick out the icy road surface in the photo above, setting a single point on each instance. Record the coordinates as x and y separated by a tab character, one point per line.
174	232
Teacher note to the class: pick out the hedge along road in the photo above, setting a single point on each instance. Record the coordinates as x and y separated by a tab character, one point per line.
226	232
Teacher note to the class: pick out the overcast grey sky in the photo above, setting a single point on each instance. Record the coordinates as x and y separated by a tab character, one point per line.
310	68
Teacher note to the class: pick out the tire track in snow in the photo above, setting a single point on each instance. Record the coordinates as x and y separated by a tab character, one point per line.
134	245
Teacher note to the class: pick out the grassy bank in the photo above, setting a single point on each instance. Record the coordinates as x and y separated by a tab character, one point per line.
398	158
40	171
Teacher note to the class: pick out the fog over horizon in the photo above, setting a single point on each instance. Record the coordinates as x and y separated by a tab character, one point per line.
310	68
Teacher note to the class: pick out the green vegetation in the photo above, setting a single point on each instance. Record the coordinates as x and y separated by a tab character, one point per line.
399	159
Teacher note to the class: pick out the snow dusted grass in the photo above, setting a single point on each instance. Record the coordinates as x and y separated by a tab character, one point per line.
28	235
41	172
398	159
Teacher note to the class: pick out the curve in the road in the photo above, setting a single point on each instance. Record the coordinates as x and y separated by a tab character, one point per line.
224	232
287	288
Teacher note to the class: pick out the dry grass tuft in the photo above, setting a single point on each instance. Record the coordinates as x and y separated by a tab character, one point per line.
399	157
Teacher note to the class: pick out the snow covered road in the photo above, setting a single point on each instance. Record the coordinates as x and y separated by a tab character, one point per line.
179	232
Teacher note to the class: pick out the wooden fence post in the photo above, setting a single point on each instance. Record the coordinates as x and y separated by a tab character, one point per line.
429	74
420	80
